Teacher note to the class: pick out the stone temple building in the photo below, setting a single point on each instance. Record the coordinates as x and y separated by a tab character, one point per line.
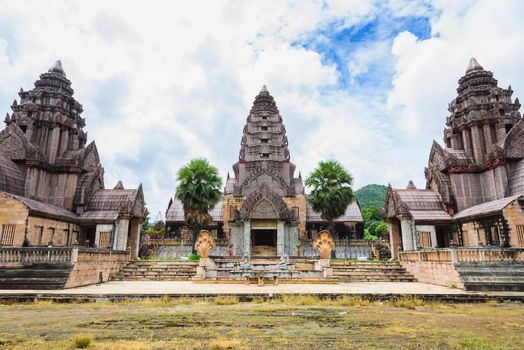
474	193
264	210
52	182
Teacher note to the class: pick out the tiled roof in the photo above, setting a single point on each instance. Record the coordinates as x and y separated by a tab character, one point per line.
175	213
420	200
99	216
430	215
49	210
487	208
112	200
352	214
11	179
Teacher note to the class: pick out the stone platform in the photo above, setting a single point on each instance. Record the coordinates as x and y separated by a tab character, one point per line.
123	290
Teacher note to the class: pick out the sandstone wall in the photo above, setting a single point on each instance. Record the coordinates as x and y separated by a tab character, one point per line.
85	273
13	212
439	273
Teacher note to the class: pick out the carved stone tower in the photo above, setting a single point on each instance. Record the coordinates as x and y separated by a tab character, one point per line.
44	137
263	202
478	160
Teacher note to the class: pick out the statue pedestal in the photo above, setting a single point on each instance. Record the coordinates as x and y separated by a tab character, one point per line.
324	266
205	269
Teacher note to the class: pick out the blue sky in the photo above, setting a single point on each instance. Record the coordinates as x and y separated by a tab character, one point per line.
363	82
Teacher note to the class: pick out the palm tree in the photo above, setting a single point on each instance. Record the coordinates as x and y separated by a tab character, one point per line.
331	191
199	190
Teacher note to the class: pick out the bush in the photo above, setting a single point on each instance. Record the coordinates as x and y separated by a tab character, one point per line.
81	341
193	257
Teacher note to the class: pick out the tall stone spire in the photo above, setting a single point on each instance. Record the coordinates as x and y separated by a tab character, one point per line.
473	65
481	116
49	115
57	68
264	137
264	149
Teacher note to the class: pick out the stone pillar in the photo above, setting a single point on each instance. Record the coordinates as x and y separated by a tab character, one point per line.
477	147
237	238
392	241
134	239
292	239
281	238
487	136
501	131
465	141
406	226
53	147
120	234
247	239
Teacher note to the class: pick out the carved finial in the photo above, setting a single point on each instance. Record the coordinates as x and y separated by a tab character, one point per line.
411	185
264	90
7	119
119	185
228	175
299	175
15	103
473	65
57	68
517	102
509	88
21	90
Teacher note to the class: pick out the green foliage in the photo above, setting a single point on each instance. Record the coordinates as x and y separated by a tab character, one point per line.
372	196
81	341
193	257
146	224
374	225
199	189
331	191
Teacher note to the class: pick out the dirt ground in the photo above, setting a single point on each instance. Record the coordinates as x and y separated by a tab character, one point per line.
290	323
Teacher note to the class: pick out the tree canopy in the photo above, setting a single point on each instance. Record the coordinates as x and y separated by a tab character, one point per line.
331	191
199	189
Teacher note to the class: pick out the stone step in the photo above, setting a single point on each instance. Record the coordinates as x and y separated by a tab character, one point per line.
494	286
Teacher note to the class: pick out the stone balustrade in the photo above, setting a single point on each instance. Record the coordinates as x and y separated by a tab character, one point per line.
93	255
464	254
11	255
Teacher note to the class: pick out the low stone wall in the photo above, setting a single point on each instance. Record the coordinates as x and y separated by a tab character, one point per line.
353	249
439	273
89	263
177	251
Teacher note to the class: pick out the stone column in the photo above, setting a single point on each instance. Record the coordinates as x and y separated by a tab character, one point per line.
392	243
134	238
281	237
406	227
487	136
292	239
237	238
501	131
120	234
477	147
53	147
247	239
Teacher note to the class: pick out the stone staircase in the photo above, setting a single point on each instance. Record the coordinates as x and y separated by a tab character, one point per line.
492	276
35	276
362	271
157	271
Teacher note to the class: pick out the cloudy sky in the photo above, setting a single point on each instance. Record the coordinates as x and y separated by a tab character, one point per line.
364	82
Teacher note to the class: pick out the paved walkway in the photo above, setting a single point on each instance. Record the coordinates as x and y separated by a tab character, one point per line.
189	288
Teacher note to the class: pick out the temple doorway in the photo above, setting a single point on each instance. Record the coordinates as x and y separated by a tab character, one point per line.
264	242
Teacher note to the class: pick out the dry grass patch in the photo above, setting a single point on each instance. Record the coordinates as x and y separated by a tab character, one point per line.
225	344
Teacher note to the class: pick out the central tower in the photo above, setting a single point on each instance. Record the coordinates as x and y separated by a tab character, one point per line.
264	204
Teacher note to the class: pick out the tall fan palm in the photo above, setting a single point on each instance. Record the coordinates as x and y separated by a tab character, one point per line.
199	190
331	191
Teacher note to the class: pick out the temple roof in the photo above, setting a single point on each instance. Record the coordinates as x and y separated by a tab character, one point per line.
112	200
11	179
46	209
352	214
175	212
473	65
486	209
57	68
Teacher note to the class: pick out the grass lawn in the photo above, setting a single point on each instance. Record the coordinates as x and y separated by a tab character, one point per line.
294	322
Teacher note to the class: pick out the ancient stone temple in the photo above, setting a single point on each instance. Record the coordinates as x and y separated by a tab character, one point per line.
264	210
475	181
52	181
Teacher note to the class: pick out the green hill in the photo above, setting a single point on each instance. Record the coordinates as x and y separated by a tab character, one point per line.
372	196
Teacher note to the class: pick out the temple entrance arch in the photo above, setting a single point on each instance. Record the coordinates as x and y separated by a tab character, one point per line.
263	237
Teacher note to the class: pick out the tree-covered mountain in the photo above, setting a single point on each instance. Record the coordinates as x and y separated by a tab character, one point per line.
372	196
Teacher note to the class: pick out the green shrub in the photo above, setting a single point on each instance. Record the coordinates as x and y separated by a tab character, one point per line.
193	257
81	341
